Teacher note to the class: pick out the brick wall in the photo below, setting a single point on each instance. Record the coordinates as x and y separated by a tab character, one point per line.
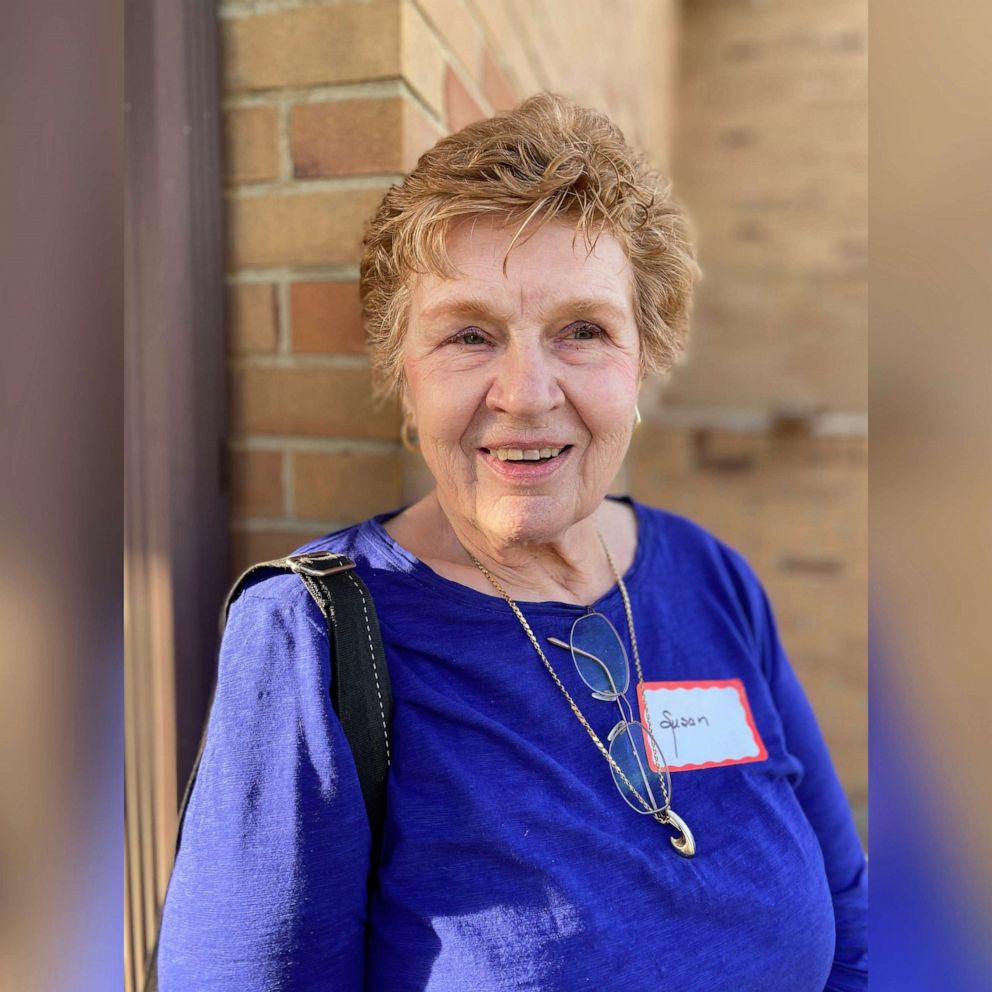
326	105
772	159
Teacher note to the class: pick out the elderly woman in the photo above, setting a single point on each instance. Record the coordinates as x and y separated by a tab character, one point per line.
604	773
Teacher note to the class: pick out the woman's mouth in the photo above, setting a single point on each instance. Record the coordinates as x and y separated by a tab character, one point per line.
525	465
526	454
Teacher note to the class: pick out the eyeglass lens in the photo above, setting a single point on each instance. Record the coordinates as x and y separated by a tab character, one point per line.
601	660
599	655
639	757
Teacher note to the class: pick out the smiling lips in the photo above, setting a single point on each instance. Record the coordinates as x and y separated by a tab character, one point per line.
526	465
525	454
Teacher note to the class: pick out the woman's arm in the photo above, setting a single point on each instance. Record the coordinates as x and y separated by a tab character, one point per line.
269	886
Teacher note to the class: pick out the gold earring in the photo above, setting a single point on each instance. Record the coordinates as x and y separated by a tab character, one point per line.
411	444
637	416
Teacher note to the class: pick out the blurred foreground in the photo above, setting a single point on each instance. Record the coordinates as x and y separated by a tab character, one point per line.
931	499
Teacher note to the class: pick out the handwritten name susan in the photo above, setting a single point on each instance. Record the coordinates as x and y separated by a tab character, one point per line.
675	723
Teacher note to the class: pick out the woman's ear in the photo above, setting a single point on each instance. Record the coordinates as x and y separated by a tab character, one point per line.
403	397
408	424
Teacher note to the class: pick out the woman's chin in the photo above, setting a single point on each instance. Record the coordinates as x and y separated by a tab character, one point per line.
519	520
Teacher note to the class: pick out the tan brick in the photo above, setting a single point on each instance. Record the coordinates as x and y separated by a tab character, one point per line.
460	107
310	45
307	401
327	317
359	137
419	134
453	22
299	228
347	137
256	483
347	487
249	547
251	144
422	58
495	86
251	318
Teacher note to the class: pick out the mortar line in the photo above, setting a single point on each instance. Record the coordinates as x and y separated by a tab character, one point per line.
295	273
232	9
425	107
820	423
288	492
290	360
370	89
284	343
379	181
286	525
314	445
285	145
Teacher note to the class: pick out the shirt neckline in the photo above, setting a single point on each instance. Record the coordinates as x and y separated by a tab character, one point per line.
425	575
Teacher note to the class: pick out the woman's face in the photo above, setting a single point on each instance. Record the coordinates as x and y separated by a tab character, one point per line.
522	385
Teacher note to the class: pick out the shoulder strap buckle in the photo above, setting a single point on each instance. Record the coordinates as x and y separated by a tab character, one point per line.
320	563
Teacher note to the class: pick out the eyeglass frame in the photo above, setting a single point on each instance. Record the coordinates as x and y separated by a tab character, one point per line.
626	718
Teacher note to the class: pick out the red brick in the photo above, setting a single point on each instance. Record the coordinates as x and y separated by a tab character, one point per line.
460	106
347	137
496	87
327	317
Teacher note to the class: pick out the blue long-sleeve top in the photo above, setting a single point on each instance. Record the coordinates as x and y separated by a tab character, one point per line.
509	860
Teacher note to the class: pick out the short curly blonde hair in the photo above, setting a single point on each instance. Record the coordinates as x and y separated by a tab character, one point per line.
547	158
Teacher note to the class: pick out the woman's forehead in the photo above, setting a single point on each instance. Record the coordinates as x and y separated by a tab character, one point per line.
544	268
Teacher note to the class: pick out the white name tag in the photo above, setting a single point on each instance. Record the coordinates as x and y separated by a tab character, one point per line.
701	724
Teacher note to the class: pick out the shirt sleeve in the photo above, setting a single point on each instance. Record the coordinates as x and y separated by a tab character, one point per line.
269	885
823	800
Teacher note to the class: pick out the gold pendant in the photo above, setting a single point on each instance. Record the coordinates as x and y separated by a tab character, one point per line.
685	844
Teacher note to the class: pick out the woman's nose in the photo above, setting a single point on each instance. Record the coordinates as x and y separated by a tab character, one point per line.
526	383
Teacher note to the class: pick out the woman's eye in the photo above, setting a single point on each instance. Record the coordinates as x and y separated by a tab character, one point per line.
584	331
469	336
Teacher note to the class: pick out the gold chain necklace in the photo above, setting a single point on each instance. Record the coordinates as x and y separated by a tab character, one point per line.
685	844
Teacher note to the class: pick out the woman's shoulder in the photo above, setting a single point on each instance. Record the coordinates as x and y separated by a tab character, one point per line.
681	533
272	589
274	632
704	571
693	550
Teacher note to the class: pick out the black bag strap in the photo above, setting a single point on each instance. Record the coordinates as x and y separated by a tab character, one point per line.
361	692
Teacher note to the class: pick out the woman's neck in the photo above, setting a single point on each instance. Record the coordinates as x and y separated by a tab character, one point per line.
571	567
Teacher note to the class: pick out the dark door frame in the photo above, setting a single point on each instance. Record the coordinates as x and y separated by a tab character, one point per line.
176	521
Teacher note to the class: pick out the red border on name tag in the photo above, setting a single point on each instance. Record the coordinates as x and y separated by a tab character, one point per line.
762	754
